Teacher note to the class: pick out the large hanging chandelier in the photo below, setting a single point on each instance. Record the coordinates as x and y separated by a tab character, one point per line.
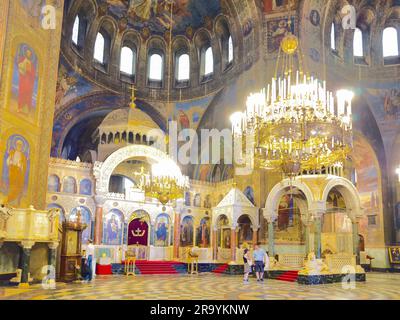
165	182
296	124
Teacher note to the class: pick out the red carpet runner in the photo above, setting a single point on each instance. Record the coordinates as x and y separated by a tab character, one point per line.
289	276
160	267
221	269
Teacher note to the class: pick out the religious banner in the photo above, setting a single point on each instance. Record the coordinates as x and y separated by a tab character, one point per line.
138	233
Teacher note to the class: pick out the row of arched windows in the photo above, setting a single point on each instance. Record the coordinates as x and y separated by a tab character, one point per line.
390	42
156	57
124	137
69	185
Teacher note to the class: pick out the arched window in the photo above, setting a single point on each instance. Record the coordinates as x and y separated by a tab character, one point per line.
85	187
75	31
99	48
208	61
127	64
53	183
390	42
358	48
156	67
333	37
69	185
230	49
183	66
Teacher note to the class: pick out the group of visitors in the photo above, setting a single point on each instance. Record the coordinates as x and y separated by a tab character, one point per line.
261	262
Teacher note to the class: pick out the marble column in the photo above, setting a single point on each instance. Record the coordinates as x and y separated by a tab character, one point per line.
271	242
307	226
255	236
177	234
52	260
356	240
215	244
98	229
25	262
194	234
318	226
233	244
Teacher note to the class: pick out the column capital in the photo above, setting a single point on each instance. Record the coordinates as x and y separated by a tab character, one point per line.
100	200
53	245
27	244
255	229
316	214
269	216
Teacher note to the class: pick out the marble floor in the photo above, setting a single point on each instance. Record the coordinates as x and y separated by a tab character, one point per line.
207	287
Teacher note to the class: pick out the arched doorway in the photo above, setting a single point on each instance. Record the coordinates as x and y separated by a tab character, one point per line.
245	232
336	231
223	238
288	227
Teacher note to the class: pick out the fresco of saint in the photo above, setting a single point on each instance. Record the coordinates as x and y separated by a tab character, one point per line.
162	231
187	232
15	169
25	80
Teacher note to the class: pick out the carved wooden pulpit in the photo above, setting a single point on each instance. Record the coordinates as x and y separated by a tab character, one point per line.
71	254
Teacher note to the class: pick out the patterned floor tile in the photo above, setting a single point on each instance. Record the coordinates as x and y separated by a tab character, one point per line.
207	286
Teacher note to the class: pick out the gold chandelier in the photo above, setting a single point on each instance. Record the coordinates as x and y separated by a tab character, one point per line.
165	182
296	124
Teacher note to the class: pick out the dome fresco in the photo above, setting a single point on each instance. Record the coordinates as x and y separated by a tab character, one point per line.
154	16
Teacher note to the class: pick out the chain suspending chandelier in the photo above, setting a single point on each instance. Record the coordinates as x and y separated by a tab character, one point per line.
165	182
296	124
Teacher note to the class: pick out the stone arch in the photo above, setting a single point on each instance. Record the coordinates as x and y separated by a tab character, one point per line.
216	218
253	220
274	197
349	193
103	171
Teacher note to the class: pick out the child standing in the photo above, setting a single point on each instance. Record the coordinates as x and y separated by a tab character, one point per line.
247	265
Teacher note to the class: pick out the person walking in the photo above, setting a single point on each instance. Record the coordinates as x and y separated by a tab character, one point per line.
91	261
260	260
247	265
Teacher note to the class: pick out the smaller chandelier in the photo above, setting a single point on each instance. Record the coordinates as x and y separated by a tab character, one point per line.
296	124
166	182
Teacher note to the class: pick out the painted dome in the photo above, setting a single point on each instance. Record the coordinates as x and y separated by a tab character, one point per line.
154	16
128	118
